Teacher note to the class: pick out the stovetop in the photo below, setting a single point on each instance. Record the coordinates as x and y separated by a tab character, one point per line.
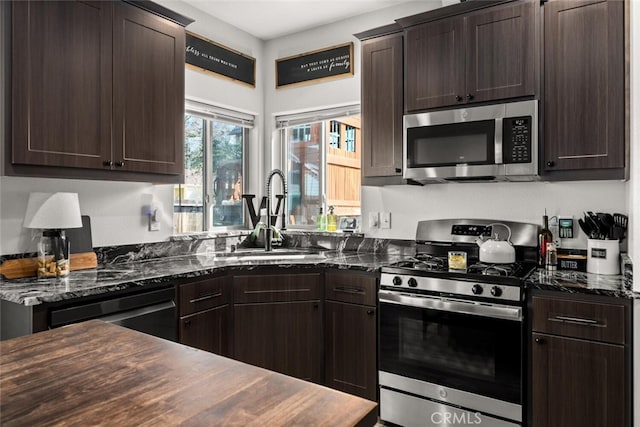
421	263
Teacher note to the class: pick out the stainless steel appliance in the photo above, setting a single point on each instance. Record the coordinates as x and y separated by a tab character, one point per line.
152	312
451	339
491	142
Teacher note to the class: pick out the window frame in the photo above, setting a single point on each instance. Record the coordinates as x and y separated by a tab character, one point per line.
285	122
211	113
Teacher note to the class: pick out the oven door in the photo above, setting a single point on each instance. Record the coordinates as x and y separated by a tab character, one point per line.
462	345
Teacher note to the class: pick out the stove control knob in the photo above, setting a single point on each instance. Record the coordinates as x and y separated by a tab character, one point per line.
476	289
413	282
397	281
496	291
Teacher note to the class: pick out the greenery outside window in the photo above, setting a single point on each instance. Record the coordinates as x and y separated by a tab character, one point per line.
215	151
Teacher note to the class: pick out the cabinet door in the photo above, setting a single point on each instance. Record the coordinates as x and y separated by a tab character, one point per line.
584	85
435	72
350	343
382	106
208	330
284	336
148	56
61	83
577	383
500	52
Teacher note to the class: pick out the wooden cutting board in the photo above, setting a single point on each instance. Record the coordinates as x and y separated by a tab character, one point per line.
81	254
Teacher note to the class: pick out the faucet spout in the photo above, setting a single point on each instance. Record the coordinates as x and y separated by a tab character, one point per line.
267	240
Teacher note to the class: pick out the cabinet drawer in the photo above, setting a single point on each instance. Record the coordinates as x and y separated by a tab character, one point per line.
352	288
276	287
203	295
580	319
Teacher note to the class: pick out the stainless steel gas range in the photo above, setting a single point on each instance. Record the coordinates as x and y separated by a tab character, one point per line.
451	339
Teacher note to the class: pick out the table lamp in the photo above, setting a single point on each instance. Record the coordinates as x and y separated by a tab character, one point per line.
53	212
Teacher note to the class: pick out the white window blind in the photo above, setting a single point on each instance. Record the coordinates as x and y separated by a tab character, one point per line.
220	114
307	117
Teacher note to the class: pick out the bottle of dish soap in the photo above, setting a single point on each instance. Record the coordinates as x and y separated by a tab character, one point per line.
332	220
321	221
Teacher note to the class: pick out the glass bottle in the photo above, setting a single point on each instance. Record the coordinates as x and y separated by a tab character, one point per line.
332	220
544	236
321	221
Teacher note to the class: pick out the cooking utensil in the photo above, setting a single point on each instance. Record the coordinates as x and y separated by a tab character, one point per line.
593	221
606	224
620	220
586	228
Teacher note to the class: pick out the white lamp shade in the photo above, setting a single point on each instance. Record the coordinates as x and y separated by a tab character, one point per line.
53	211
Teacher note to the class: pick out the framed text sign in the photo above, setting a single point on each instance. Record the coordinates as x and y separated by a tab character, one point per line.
312	67
210	57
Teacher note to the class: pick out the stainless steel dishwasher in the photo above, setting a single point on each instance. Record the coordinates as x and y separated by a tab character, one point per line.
152	312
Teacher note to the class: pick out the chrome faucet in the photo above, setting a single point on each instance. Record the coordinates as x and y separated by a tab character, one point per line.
268	229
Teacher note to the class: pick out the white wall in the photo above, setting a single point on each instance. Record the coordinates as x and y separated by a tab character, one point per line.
525	201
334	93
116	207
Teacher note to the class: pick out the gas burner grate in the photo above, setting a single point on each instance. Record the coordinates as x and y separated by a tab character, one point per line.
428	262
504	270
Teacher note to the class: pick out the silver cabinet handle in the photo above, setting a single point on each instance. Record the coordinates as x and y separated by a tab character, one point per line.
206	297
348	290
579	320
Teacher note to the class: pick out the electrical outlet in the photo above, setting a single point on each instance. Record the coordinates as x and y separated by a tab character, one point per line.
374	221
385	219
154	224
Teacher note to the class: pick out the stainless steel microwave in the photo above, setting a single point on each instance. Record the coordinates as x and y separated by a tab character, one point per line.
497	142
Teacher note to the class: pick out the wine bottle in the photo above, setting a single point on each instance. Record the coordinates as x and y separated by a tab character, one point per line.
544	236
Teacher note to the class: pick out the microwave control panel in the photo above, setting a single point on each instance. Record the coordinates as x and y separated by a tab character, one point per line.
516	137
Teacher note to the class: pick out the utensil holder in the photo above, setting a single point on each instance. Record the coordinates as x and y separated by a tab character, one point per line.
603	256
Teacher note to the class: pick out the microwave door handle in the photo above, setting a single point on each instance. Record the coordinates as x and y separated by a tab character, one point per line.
498	142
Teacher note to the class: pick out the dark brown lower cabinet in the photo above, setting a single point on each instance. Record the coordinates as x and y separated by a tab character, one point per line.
577	383
278	323
282	336
580	361
208	330
350	333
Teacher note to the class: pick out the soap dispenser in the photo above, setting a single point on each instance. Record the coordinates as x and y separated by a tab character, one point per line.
321	221
332	220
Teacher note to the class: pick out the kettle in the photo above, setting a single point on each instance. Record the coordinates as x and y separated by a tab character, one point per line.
494	251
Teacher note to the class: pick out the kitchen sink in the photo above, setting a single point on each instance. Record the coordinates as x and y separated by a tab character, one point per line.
259	254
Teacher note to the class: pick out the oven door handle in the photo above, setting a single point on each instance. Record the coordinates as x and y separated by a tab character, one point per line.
442	304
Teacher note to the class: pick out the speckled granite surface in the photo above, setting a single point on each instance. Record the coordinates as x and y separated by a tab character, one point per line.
579	282
153	272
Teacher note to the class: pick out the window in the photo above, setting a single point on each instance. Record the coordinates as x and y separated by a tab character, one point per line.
211	195
323	164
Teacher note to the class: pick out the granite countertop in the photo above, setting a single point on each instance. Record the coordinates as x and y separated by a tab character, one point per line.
580	282
130	275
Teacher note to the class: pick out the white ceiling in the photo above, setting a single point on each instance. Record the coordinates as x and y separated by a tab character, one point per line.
269	19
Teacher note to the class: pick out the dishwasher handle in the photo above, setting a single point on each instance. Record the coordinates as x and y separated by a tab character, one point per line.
79	312
125	315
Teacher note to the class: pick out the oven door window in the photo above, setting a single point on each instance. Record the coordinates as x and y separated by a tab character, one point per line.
477	354
471	143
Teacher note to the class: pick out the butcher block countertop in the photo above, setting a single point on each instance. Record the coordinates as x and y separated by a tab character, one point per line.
96	373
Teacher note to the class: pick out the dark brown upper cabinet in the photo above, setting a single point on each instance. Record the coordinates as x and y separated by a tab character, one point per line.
97	87
61	83
584	90
381	106
485	55
148	92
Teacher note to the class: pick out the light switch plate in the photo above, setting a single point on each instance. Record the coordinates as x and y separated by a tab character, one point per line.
374	221
385	219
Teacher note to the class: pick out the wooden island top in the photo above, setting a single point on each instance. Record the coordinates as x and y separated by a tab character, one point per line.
96	373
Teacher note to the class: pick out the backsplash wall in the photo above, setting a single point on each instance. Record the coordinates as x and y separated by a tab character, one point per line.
524	202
